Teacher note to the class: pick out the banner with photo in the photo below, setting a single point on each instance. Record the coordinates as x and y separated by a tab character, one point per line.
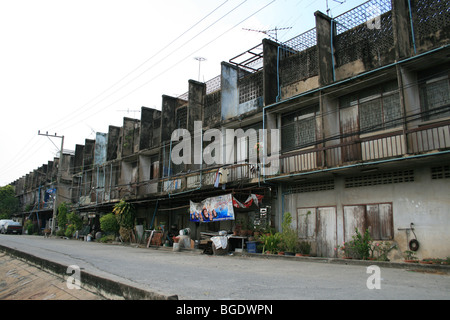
213	209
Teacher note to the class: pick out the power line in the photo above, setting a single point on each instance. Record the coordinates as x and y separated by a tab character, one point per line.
149	59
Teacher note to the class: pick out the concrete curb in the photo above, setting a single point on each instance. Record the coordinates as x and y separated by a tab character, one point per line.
387	264
104	287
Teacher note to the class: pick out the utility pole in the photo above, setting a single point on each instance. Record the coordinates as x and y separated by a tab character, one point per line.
58	177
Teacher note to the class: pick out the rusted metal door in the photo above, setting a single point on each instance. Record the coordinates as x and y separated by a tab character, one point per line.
354	217
326	231
306	223
351	149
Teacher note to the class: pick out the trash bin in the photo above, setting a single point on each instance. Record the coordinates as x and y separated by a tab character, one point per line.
251	246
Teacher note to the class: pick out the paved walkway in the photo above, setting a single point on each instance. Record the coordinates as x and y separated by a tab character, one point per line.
21	281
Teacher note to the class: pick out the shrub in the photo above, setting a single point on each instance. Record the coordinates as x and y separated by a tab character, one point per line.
109	224
289	236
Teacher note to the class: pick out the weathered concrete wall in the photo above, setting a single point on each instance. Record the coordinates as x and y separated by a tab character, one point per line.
230	93
150	128
113	143
426	207
130	136
101	146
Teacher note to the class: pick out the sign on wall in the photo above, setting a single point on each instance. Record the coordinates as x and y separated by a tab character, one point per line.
213	209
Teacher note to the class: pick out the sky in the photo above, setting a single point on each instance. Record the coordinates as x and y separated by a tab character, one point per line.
74	67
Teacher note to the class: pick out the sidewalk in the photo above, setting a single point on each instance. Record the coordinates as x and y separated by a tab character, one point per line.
21	281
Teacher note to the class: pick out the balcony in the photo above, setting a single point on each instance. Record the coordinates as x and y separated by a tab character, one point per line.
397	144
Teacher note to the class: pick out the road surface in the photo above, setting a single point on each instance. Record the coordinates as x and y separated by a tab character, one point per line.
195	276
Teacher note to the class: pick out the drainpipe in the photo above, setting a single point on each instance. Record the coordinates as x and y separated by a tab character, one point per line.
332	49
412	27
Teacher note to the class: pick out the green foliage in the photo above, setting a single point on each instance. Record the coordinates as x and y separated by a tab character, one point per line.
271	242
109	223
362	244
61	215
70	230
124	212
74	219
29	227
360	247
289	236
304	247
9	204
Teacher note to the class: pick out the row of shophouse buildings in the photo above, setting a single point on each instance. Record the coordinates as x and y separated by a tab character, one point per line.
361	108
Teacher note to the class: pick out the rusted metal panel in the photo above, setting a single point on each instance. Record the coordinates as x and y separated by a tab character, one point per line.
349	126
326	238
306	223
386	221
373	221
354	217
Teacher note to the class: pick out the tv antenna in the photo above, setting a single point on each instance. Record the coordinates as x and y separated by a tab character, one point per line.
200	60
273	33
328	8
128	111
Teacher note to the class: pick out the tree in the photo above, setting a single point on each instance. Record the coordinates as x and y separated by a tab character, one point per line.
9	204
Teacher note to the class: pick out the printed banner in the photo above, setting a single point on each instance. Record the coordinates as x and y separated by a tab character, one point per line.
213	209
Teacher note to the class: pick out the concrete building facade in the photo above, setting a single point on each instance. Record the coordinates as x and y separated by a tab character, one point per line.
361	105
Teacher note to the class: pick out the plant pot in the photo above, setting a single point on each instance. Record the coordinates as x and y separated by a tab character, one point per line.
289	253
281	253
411	261
426	262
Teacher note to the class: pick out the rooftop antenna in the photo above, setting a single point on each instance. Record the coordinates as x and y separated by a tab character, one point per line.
273	33
328	8
200	60
128	111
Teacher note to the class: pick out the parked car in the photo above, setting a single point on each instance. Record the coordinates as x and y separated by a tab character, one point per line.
10	226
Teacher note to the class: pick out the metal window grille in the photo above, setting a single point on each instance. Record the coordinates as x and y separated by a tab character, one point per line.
313	186
356	38
251	87
430	16
442	172
299	58
366	180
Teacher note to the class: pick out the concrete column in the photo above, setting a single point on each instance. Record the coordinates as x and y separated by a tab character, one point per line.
325	50
169	105
402	29
270	50
230	91
113	143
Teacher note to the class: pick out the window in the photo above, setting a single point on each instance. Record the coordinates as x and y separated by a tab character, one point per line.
378	107
378	218
435	97
440	172
299	128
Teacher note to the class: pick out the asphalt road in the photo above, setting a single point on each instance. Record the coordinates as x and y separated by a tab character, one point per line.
195	276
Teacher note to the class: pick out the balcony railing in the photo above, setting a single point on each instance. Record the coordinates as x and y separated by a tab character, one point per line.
424	139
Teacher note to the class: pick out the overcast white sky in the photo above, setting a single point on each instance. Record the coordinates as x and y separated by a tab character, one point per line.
74	67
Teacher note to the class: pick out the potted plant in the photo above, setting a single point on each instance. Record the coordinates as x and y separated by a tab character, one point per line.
410	256
271	242
289	235
304	248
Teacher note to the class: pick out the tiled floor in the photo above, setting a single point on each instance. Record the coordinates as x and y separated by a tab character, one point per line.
21	281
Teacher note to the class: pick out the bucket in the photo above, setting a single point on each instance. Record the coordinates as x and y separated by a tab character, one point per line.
251	246
176	247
